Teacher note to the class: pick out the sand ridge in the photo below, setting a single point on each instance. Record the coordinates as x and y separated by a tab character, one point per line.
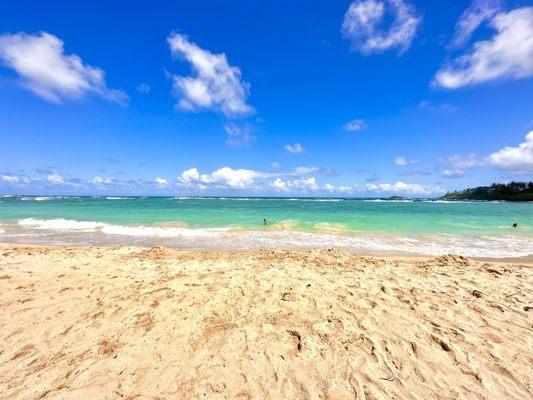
137	323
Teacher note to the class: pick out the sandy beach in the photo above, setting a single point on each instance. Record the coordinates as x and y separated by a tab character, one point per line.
153	323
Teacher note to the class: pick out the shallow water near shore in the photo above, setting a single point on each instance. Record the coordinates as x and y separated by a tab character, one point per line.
431	227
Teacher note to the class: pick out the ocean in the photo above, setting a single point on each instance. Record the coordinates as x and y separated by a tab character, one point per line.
365	226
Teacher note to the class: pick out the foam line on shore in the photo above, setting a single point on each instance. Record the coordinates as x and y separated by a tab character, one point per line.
286	235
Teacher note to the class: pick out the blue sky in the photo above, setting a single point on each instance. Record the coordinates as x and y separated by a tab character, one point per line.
312	98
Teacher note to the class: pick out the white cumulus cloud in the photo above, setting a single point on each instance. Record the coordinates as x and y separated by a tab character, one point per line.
296	185
99	181
506	55
225	177
46	70
216	84
355	126
279	185
402	188
10	179
328	187
364	24
452	173
517	159
401	161
458	165
56	179
161	182
189	176
295	148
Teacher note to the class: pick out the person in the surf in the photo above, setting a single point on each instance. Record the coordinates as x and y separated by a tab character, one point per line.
265	221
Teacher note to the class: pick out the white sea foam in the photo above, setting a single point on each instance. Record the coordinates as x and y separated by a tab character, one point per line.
324	200
47	198
117	198
388	201
39	198
500	246
445	201
238	198
193	198
151	231
303	199
60	224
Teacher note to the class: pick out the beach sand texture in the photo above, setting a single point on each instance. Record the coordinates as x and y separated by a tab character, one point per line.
134	323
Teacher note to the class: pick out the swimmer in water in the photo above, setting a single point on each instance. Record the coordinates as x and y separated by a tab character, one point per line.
515	225
265	221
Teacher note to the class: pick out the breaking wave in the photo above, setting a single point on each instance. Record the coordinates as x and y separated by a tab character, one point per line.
61	224
286	235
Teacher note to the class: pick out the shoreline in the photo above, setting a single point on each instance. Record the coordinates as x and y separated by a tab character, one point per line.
391	227
134	322
388	255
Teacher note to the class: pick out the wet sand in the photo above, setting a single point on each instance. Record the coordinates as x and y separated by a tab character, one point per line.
153	323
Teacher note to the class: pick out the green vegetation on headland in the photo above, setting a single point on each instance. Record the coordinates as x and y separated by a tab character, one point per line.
514	191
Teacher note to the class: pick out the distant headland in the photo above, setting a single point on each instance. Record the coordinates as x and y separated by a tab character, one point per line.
514	191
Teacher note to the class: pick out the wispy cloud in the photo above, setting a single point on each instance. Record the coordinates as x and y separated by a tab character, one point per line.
478	12
355	126
11	179
444	107
46	70
457	165
239	136
506	55
17	180
45	171
56	179
364	25
401	161
452	173
54	182
415	173
295	148
99	181
144	88
301	180
216	86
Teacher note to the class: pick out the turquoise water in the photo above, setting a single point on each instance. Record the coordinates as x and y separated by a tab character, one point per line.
298	221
